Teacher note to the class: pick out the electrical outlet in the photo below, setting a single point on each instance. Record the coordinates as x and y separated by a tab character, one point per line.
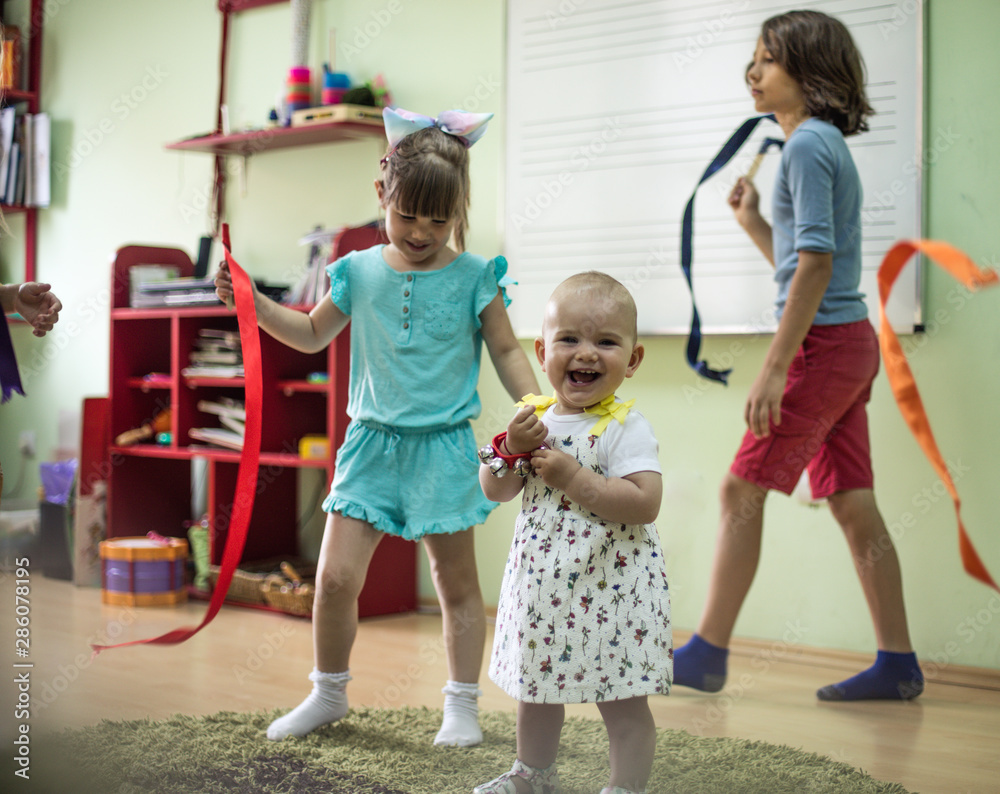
26	443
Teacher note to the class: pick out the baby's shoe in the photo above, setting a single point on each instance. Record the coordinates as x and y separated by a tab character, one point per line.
542	781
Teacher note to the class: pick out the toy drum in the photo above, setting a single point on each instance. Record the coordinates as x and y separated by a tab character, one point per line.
143	572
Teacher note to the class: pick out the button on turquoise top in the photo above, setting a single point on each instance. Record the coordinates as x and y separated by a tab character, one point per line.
415	336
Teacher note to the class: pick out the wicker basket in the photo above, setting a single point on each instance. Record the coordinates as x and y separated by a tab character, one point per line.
247	586
281	593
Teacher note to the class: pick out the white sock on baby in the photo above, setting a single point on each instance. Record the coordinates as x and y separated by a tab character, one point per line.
326	703
460	726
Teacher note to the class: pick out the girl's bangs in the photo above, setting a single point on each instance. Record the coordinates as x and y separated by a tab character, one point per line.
429	191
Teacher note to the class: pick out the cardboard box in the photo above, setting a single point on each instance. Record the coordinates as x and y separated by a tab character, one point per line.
325	114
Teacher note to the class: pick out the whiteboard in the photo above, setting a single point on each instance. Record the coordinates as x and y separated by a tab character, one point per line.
616	107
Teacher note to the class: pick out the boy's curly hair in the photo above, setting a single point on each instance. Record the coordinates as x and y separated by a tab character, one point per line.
819	53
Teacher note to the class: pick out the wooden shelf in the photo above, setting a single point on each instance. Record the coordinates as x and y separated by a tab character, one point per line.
146	385
199	381
254	141
166	312
13	95
290	387
168	452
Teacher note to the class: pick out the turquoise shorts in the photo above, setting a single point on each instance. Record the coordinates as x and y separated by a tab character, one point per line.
409	482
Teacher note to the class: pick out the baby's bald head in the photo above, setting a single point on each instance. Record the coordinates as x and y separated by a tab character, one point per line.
607	296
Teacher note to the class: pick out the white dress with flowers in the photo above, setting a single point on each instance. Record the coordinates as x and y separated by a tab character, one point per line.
584	611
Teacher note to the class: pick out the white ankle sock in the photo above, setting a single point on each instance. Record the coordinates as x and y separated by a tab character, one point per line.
326	703
460	726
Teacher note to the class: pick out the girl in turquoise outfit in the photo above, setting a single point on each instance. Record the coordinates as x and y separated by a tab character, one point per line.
419	313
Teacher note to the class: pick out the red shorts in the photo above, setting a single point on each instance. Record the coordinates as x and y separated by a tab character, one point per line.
824	426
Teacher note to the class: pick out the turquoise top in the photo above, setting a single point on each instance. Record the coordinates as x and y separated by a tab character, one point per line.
415	336
817	207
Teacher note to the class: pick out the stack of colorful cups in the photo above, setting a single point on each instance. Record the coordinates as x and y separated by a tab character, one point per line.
299	94
335	85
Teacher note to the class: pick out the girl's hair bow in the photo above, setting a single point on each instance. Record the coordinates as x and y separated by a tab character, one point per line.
467	127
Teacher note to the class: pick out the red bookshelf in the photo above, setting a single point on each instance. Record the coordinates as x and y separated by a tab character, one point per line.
149	484
31	38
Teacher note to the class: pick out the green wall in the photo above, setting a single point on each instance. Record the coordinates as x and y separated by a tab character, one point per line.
122	79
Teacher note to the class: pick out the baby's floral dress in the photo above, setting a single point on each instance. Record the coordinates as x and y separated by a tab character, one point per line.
584	612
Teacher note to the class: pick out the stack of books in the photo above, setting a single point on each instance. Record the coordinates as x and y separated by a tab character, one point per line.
25	169
217	354
174	292
232	416
313	282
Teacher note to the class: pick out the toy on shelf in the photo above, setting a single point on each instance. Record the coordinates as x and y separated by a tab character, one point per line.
160	424
335	85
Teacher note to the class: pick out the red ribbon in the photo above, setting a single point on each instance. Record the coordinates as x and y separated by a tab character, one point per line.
904	387
246	476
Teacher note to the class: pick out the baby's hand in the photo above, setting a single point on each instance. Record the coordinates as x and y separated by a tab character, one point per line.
525	431
555	468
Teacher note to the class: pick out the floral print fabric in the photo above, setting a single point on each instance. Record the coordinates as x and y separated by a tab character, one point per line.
584	611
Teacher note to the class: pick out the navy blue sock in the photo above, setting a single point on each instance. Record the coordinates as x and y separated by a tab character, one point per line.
894	676
700	665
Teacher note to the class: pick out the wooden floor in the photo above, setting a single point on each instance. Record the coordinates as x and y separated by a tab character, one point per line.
946	741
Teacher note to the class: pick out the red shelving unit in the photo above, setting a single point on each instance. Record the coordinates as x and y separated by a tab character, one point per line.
149	485
31	97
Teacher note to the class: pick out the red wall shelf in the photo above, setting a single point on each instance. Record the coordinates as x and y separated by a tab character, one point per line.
254	141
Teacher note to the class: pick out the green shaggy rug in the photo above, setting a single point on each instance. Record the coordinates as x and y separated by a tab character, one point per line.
375	751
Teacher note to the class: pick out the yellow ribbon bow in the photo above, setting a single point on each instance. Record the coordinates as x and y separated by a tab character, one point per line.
607	409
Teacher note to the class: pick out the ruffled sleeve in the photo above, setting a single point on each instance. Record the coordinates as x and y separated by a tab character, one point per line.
503	280
493	275
340	283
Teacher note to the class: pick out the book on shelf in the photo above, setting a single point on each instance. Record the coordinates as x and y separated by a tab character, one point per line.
214	371
185	291
214	357
6	143
25	166
218	436
217	353
232	415
314	282
224	406
234	424
26	192
41	164
220	336
13	166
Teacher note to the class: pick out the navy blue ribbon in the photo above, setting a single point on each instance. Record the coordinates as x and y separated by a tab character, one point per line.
10	379
726	153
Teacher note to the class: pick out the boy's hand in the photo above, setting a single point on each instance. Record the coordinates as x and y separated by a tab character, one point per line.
744	201
525	431
555	468
38	306
224	283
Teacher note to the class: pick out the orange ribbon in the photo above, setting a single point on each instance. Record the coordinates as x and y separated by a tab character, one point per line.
246	474
901	379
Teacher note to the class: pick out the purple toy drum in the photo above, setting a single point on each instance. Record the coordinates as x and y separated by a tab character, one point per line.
143	572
